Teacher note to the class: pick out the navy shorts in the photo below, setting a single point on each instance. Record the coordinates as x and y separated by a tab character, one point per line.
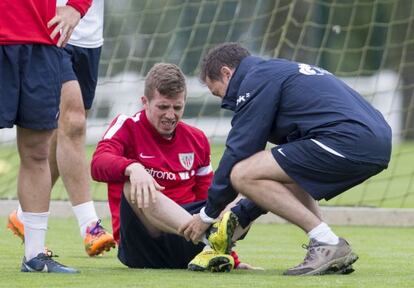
322	174
137	249
82	64
30	86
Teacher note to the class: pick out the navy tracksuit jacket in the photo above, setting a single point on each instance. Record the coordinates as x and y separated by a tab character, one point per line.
281	101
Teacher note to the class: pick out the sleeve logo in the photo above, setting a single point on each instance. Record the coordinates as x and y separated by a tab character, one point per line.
312	70
242	99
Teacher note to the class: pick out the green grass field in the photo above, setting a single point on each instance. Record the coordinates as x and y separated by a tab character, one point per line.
393	187
386	260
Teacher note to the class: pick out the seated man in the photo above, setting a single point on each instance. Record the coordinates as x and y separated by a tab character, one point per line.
160	163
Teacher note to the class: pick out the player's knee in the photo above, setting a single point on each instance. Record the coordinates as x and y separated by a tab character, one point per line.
74	125
35	153
33	147
238	175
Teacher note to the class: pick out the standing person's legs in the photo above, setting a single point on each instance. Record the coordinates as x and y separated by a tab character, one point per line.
68	156
33	189
79	76
35	111
35	121
33	186
33	148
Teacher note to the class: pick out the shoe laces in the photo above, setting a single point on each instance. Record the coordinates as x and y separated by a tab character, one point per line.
49	253
310	255
47	258
97	229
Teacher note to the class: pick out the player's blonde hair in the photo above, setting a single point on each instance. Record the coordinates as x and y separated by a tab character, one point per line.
167	79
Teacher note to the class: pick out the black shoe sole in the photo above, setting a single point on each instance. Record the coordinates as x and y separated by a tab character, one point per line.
344	269
218	264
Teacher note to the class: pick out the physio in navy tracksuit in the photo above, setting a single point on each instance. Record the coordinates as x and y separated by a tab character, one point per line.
328	139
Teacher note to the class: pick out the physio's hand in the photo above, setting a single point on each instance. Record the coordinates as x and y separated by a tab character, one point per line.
194	229
66	19
144	188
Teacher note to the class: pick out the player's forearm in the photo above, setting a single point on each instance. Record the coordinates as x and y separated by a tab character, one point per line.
109	168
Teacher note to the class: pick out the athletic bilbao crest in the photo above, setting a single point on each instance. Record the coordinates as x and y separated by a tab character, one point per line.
186	160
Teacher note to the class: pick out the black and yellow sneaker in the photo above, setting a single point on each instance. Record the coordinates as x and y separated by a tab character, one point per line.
220	233
209	260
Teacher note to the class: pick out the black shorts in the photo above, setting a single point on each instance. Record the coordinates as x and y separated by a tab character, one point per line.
137	249
82	64
322	174
30	86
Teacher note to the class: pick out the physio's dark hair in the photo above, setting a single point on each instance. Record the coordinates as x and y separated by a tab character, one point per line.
166	78
227	54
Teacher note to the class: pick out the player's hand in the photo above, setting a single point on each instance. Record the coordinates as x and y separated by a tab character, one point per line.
66	19
144	188
194	229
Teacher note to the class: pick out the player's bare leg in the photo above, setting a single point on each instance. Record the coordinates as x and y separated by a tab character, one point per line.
33	184
68	160
261	179
167	216
305	199
67	157
164	215
33	190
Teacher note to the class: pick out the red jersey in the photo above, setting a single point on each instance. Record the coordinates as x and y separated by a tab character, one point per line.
182	164
25	21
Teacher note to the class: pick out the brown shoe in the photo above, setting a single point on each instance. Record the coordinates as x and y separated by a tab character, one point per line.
323	259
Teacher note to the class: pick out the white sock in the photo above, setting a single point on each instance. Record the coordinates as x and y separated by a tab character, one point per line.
35	227
323	233
207	247
86	214
20	213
